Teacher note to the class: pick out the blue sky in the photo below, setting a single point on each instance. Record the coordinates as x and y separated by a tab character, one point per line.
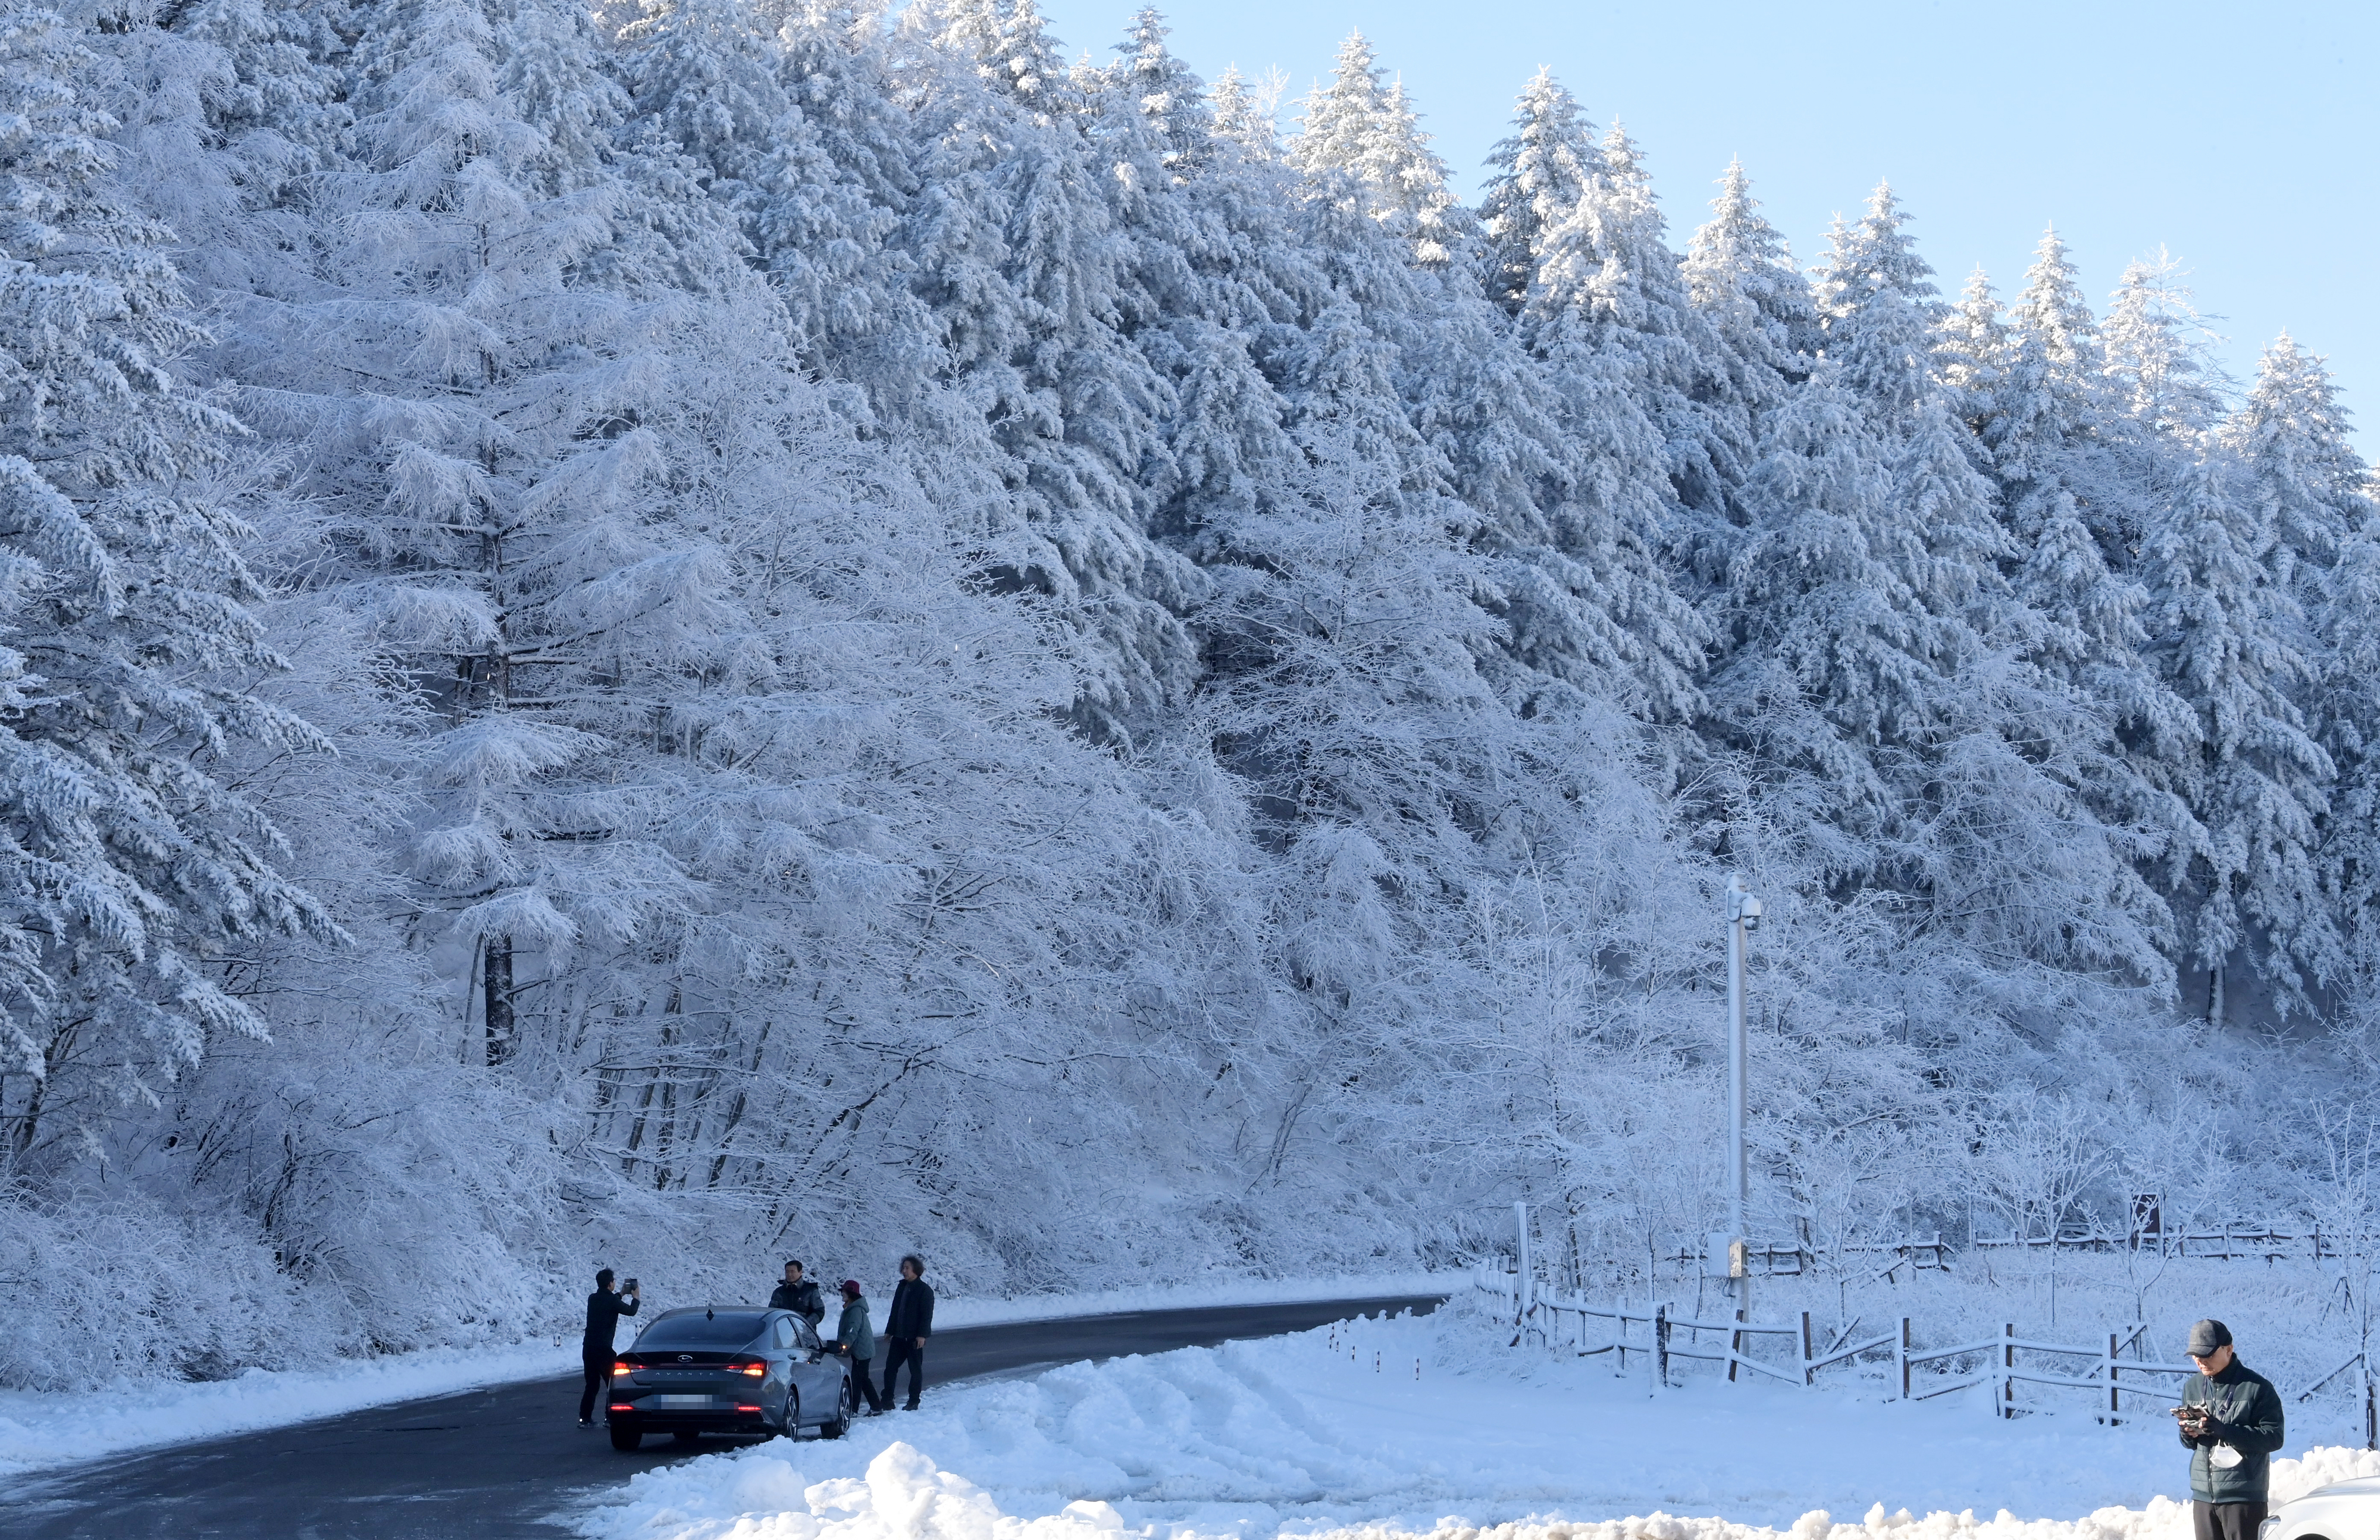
2240	136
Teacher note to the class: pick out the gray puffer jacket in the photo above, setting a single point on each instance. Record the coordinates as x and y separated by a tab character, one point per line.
854	1334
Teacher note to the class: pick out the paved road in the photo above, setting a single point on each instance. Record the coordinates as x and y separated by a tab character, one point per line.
496	1464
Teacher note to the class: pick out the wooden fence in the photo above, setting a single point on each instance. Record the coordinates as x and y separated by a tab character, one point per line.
2226	1243
1563	1319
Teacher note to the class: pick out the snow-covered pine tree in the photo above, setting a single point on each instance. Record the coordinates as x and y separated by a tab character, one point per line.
1973	353
1740	271
2309	485
1540	174
2228	636
1740	277
2313	492
224	106
1845	652
825	218
703	75
131	644
1363	126
2156	351
1608	285
1018	254
487	491
2069	489
1878	305
1160	91
1243	116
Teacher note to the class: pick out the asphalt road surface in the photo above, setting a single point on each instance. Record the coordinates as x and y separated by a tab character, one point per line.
502	1463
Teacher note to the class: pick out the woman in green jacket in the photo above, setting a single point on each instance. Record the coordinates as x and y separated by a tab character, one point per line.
855	1338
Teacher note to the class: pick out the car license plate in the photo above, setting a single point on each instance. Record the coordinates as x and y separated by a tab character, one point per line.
682	1400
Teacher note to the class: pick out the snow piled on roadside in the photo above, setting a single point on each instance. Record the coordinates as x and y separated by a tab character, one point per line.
951	1312
1394	1431
39	1429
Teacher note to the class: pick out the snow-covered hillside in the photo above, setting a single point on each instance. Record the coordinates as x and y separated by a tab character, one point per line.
682	635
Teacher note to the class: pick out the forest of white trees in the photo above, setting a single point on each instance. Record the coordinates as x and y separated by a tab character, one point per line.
683	636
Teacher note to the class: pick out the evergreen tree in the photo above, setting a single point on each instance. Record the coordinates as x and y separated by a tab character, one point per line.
2156	349
2313	490
1541	174
1242	118
1612	305
1876	301
825	218
2309	486
2226	633
1741	274
1021	257
705	78
1975	354
132	862
1362	127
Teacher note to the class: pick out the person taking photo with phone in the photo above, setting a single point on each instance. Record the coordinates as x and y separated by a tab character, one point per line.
605	1309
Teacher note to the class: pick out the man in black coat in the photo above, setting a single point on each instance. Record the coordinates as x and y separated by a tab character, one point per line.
799	1295
907	1327
605	1309
2231	1422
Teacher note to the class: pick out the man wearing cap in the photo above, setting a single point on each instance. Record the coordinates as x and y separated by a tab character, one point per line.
2230	1420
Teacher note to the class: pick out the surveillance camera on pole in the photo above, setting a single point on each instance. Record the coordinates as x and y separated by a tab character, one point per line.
1727	1255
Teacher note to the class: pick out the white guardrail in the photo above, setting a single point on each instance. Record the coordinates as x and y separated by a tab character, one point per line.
1658	1331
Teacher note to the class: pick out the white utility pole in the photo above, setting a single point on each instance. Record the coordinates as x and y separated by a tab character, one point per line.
1743	920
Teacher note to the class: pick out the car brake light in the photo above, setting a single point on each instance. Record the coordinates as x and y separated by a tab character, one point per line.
622	1406
753	1366
754	1410
621	1369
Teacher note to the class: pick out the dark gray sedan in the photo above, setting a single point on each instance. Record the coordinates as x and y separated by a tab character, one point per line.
727	1368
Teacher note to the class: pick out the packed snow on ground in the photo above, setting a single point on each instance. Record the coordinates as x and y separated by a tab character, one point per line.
1389	1430
43	1428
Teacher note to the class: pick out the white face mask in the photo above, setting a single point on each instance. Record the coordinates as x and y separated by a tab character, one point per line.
2223	1457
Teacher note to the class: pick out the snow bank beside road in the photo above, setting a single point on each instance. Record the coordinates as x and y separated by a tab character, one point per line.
1376	1432
904	1495
950	1314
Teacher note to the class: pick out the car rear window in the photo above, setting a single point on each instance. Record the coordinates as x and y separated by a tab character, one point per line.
700	1331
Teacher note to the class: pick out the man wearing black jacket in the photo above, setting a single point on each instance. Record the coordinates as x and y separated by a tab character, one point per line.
799	1295
603	1312
907	1327
2231	1422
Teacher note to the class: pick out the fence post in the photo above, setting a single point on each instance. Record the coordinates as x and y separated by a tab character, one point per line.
2371	1409
1521	1280
1661	1344
1734	1348
2114	1406
1901	1353
1809	1374
2004	1397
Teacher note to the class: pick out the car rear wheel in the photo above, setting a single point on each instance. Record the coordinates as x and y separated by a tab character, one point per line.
625	1438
